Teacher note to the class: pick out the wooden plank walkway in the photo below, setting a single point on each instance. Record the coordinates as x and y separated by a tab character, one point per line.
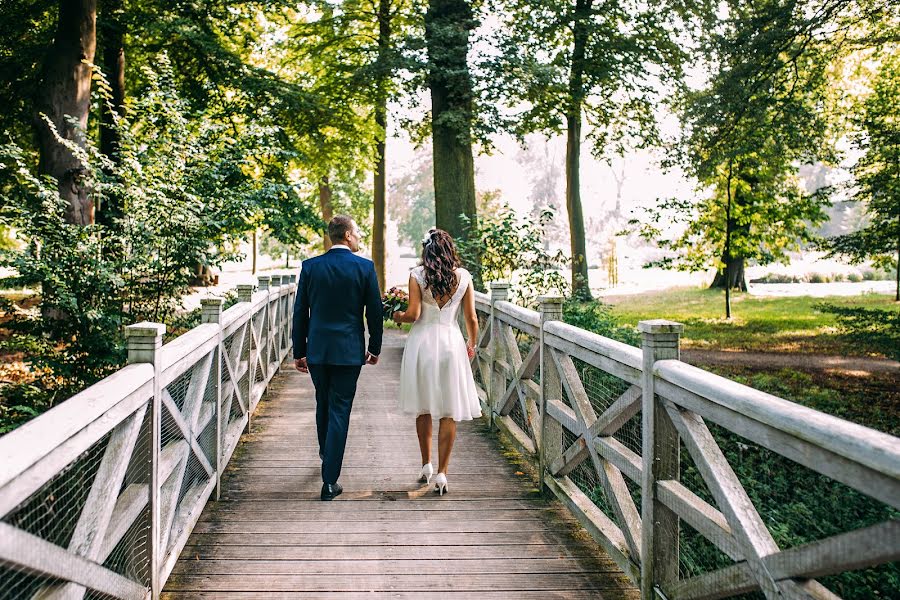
492	536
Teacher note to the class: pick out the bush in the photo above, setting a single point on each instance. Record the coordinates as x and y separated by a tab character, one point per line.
596	317
182	189
854	277
506	245
817	278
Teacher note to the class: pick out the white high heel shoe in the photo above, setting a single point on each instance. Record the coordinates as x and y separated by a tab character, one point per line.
440	484
427	472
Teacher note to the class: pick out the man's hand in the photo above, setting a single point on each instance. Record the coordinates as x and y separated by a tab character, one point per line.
371	359
300	365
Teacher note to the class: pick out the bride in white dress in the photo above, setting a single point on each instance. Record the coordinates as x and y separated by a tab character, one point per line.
436	373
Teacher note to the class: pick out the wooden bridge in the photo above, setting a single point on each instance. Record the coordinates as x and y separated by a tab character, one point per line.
192	473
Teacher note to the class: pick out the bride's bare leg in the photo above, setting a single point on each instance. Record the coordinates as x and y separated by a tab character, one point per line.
423	430
446	436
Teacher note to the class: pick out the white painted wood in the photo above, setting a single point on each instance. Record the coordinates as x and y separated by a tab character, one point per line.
511	428
660	457
29	552
62	433
876	450
188	513
178	359
604	531
858	476
849	551
129	505
93	522
51	460
529	317
608	364
524	370
702	516
619	412
186	431
234	317
747	526
597	344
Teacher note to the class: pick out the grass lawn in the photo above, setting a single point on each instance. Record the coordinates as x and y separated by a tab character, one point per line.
763	324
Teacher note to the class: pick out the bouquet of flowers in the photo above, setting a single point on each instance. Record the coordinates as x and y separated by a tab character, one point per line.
392	300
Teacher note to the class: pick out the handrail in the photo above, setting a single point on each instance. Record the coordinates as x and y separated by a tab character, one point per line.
106	487
874	449
539	380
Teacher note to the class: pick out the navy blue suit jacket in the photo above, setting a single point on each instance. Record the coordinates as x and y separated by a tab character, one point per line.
332	292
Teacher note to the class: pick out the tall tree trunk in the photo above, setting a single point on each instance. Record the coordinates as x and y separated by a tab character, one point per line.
732	276
580	286
447	27
112	40
327	208
254	251
65	90
379	252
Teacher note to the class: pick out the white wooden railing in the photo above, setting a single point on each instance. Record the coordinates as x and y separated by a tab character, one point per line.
612	430
99	494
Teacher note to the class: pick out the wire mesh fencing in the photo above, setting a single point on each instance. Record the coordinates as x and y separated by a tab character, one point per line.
745	505
78	505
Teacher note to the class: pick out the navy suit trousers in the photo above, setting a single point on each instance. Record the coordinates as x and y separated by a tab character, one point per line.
335	388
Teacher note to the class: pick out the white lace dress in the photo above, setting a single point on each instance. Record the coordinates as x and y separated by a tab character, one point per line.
435	374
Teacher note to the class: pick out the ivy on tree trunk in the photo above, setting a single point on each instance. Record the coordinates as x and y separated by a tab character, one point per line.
64	94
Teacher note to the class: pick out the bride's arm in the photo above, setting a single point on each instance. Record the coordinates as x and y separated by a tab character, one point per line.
415	304
471	320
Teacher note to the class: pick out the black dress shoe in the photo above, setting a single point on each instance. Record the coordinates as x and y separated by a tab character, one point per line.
331	490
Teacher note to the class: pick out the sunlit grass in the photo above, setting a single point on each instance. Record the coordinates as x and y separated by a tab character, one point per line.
765	324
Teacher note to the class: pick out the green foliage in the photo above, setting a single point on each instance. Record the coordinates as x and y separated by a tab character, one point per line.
871	328
764	110
187	187
511	249
630	55
877	173
597	317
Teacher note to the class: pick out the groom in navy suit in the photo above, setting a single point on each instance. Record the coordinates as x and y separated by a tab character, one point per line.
329	339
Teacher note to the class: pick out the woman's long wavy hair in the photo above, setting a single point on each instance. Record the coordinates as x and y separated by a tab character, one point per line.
440	259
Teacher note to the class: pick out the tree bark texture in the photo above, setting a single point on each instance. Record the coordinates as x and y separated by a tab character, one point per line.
447	27
379	250
112	40
580	285
65	91
326	207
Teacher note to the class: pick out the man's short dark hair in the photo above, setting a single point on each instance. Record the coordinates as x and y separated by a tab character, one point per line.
338	228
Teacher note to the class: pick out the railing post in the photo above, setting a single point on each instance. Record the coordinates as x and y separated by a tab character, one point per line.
244	292
211	312
144	341
497	383
275	318
551	389
264	282
660	453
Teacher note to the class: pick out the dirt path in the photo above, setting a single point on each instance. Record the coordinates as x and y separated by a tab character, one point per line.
805	362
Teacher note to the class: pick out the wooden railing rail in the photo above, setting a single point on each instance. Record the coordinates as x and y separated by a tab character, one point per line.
99	494
608	427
